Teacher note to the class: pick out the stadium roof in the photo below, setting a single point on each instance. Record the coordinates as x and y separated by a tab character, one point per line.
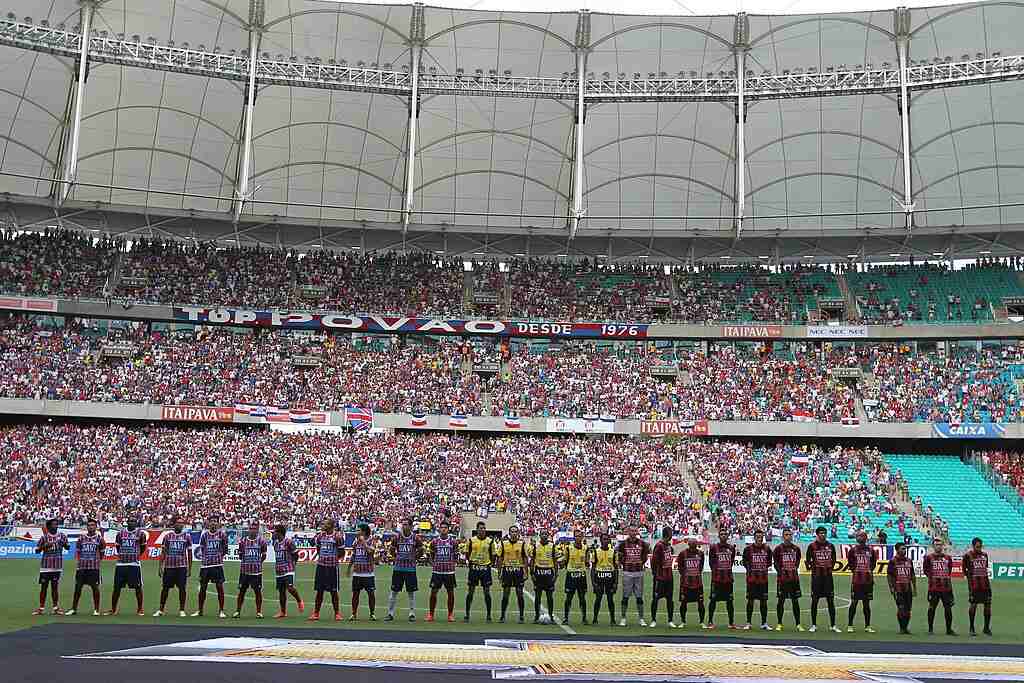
823	157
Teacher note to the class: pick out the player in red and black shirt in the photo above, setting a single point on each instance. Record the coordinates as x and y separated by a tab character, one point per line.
938	567
52	546
690	563
903	586
212	549
786	558
663	560
821	560
757	561
862	560
976	568
721	557
632	553
88	555
175	565
129	544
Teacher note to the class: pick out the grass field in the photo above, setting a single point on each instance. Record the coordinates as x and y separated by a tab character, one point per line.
19	592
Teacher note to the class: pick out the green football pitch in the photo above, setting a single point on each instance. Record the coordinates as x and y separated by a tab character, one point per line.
19	592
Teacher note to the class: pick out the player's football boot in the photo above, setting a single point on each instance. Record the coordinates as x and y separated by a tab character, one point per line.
868	629
778	627
315	616
302	606
95	612
110	613
653	624
746	627
836	629
58	611
800	628
987	631
182	614
849	629
622	622
71	613
733	627
451	618
197	614
259	615
37	611
221	615
430	617
158	613
337	616
812	629
280	615
643	623
140	613
672	624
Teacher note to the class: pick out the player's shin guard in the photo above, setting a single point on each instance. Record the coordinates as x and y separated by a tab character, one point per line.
355	603
750	610
831	610
392	603
504	602
867	614
712	604
931	616
469	600
730	609
764	611
852	612
700	610
796	611
988	617
814	610
487	602
520	601
949	617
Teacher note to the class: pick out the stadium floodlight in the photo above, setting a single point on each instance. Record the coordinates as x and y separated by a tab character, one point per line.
852	255
894	255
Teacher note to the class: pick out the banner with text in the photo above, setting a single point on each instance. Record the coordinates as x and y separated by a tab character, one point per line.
752	331
580	425
301	320
197	413
837	332
673	427
969	430
23	304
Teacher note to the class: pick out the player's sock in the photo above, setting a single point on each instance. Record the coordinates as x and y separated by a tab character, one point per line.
583	606
949	618
764	612
639	608
654	609
487	603
779	610
867	614
521	602
371	602
412	603
392	601
988	620
931	618
814	612
671	609
750	610
832	611
682	611
220	596
730	609
355	603
451	602
597	606
700	611
611	608
504	603
851	613
796	611
433	602
712	604
551	601
469	601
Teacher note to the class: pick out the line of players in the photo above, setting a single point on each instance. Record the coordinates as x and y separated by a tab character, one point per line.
515	560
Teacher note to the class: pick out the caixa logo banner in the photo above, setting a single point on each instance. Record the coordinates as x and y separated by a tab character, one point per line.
969	430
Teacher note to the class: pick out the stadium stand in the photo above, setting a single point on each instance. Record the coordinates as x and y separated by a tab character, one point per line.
847	490
962	498
932	293
554	483
60	263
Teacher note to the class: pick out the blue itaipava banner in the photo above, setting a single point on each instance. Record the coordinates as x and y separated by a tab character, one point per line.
969	430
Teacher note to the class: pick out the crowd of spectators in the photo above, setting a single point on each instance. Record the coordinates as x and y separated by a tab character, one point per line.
299	369
57	263
963	385
73	472
846	489
1007	466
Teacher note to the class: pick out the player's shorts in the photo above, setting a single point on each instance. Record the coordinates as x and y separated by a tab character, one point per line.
663	588
513	577
757	591
175	576
864	592
544	579
211	575
253	581
575	582
692	594
605	583
47	577
721	592
446	581
282	582
904	601
480	576
632	585
326	579
87	577
981	597
823	586
129	575
789	590
403	581
945	597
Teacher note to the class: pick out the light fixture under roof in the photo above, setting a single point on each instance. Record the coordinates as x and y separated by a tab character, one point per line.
562	255
853	256
895	254
938	253
763	256
727	256
355	246
519	254
808	256
984	251
642	256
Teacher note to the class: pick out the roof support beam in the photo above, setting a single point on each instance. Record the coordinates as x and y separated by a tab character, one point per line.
71	169
741	42
579	121
242	191
417	30
901	19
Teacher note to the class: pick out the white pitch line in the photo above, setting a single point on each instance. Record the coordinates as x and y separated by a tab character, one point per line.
543	610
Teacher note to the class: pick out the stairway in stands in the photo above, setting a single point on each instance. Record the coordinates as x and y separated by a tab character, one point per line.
851	303
963	498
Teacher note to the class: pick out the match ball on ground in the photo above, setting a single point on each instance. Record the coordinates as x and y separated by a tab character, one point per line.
545	619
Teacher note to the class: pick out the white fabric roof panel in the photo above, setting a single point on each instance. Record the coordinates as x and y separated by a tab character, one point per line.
493	155
659	159
159	130
828	155
323	147
180	133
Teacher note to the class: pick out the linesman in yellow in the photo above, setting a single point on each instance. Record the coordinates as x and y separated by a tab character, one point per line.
480	554
604	572
575	559
544	572
512	563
